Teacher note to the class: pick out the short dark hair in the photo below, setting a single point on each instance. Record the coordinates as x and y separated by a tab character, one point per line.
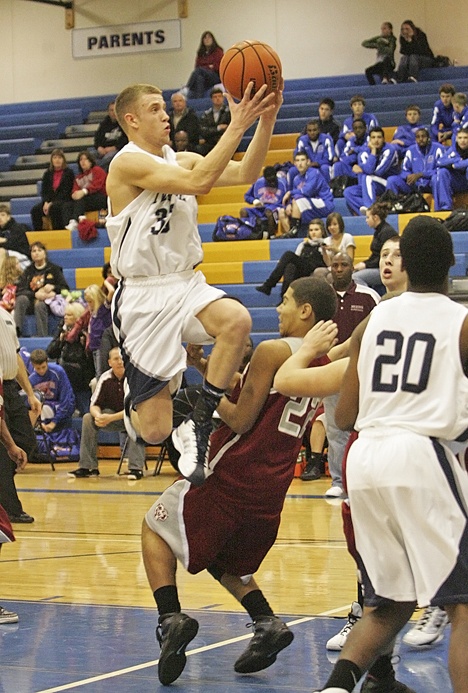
38	356
356	98
427	251
377	128
413	107
447	88
338	217
328	102
318	293
313	121
269	172
88	155
216	90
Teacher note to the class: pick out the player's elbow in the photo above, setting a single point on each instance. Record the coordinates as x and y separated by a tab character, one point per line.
344	418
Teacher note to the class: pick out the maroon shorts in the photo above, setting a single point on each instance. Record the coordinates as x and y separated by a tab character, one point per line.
6	530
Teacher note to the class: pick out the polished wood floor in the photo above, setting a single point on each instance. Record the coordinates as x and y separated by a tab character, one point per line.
84	546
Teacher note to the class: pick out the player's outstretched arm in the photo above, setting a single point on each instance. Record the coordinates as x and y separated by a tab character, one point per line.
348	404
267	358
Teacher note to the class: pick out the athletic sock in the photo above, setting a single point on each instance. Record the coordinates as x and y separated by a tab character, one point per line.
382	667
256	605
360	594
207	402
167	600
345	675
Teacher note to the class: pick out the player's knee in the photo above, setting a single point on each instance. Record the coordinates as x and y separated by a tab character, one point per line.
238	323
155	432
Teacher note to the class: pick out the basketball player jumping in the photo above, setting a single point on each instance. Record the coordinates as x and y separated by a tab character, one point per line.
161	301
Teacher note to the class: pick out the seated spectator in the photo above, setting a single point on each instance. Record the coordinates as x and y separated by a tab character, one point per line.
181	117
106	412
415	53
89	191
451	172
378	161
300	263
182	143
347	164
10	272
318	147
93	321
57	184
405	135
460	112
442	115
308	198
266	196
418	166
337	241
109	138
213	122
206	72
385	45
13	238
41	281
328	125
58	400
72	355
367	272
108	341
358	108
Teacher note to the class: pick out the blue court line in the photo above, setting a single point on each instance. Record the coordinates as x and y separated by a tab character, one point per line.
139	493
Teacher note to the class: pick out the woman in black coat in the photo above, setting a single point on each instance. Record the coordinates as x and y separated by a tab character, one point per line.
57	184
415	53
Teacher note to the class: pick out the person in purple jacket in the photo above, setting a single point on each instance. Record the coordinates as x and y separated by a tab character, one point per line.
52	382
345	166
442	116
460	112
358	109
451	173
418	166
309	197
405	135
266	196
378	161
319	148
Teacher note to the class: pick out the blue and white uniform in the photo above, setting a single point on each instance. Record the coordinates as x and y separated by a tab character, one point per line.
417	160
155	247
450	177
321	152
408	493
312	195
460	120
442	117
370	120
372	182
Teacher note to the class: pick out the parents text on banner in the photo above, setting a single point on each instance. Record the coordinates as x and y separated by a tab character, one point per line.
126	38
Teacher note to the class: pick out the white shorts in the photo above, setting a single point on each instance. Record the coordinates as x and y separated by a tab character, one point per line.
152	317
409	500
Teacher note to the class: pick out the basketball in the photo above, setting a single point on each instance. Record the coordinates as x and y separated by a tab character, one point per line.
250	61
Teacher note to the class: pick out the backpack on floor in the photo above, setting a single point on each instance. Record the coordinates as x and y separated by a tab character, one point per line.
457	221
229	228
57	446
410	204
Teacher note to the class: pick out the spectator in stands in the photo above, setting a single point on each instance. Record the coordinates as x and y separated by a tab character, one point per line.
385	45
358	109
73	356
337	241
378	160
206	72
13	238
57	184
328	125
182	143
460	112
308	198
109	282
58	400
108	341
405	135
367	272
318	147
89	191
41	281
442	116
106	412
300	263
181	117
354	303
415	53
213	122
418	166
451	173
347	164
109	138
95	320
266	196
10	272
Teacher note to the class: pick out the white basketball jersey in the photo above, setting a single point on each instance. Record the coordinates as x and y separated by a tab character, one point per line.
410	374
156	233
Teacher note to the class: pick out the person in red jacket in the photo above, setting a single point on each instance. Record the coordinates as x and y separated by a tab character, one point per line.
206	72
88	192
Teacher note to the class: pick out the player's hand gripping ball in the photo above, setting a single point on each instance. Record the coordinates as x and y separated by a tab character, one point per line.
250	61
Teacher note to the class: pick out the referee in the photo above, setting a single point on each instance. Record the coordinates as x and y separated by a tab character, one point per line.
16	415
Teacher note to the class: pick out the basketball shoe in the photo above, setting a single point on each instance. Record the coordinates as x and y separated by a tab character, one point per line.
174	632
429	630
192	440
270	636
8	616
386	685
338	640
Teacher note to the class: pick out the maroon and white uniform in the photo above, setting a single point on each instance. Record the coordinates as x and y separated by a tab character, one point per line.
232	520
6	530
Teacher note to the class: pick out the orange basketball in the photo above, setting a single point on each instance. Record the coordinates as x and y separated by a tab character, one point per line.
250	61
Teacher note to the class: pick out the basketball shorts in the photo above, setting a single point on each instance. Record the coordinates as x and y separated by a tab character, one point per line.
409	500
6	530
152	317
310	208
203	532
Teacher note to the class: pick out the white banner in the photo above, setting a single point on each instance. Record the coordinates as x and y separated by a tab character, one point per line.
126	38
